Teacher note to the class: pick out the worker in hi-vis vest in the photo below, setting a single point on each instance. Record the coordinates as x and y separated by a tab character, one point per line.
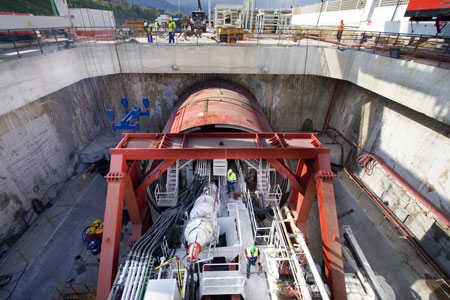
172	27
251	255
231	180
340	30
149	33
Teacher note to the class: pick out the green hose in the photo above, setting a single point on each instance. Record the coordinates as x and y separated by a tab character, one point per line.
145	280
55	12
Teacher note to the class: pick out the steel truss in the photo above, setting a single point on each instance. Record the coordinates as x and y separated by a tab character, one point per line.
126	181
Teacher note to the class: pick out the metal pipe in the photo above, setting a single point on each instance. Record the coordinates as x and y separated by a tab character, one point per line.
332	103
422	199
299	238
392	217
426	202
12	41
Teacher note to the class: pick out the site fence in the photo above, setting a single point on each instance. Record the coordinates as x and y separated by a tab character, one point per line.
433	50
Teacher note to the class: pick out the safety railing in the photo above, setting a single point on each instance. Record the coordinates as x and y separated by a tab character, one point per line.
434	50
165	198
274	194
233	211
294	256
226	281
260	234
20	43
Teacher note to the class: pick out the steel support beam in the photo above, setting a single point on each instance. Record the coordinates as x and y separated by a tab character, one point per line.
218	153
287	173
137	204
117	180
127	182
155	171
304	204
332	249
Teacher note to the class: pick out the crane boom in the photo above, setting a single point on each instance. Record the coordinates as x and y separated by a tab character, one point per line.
199	5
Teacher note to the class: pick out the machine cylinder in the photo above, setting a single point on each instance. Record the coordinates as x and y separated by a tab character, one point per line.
201	229
217	105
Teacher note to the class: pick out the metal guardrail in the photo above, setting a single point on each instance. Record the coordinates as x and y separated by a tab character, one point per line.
262	233
426	49
223	282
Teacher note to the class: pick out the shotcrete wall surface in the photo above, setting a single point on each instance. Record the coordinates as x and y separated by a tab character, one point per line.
418	86
46	118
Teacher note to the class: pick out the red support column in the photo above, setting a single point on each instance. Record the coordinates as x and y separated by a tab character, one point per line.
116	178
137	205
301	171
156	170
334	266
304	204
287	173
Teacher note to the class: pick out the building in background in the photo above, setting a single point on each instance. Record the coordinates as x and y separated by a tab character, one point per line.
371	15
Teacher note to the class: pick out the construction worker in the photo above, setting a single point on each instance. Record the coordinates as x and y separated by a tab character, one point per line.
172	27
251	255
231	180
340	30
149	33
157	28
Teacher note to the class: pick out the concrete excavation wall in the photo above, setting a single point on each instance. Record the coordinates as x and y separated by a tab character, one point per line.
422	88
39	143
414	145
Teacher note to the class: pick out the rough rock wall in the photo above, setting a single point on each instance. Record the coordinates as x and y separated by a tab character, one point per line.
291	103
39	143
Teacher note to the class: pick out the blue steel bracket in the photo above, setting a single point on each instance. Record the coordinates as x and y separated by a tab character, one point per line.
131	119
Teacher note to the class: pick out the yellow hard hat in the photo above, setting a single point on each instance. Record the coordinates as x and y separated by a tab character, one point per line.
90	230
97	223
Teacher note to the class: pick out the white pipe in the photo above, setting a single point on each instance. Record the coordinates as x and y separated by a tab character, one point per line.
313	268
163	259
252	13
209	13
127	283
136	281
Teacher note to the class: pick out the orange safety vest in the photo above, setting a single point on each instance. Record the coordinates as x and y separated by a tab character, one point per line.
341	27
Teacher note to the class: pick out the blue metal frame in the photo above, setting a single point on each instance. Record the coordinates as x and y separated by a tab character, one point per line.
131	119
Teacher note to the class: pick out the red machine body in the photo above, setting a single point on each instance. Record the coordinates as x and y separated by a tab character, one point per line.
219	120
217	106
428	10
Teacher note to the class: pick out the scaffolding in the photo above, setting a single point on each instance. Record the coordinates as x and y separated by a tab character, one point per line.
228	16
273	20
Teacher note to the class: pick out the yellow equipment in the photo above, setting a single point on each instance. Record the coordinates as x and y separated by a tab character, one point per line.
137	27
230	35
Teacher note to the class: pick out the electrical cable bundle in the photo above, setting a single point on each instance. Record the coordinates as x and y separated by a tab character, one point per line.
167	227
368	162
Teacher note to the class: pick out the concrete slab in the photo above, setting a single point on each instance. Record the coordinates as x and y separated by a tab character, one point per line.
387	252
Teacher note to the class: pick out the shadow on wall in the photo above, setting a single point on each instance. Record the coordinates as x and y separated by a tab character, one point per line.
368	69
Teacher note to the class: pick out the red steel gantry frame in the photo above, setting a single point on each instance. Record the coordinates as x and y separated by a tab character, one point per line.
126	181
